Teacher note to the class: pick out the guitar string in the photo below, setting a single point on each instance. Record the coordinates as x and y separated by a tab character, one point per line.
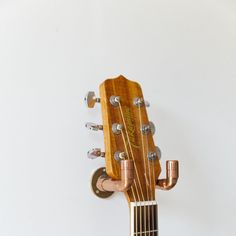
136	215
126	150
148	182
153	184
137	192
153	174
135	167
153	193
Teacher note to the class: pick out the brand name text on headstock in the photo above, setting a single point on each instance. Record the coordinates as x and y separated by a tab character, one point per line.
130	125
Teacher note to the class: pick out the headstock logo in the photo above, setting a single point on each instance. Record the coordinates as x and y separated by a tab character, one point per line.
130	125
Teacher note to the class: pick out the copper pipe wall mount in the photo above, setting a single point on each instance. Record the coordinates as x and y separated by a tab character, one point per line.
103	186
172	175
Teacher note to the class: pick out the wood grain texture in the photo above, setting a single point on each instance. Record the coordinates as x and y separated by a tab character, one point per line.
138	144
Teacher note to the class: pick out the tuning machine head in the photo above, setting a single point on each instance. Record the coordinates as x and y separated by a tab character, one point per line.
139	102
93	126
90	99
95	153
148	128
154	155
158	151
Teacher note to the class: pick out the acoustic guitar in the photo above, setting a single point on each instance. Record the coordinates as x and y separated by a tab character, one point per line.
131	157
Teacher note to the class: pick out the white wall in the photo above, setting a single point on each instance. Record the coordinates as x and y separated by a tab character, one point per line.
53	51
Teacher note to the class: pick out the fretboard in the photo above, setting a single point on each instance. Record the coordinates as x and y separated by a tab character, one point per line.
144	218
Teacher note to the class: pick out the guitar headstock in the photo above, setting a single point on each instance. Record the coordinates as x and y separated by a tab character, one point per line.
130	153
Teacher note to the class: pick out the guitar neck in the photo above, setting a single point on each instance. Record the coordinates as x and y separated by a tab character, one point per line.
144	218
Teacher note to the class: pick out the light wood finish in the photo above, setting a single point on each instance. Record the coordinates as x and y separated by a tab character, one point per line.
127	90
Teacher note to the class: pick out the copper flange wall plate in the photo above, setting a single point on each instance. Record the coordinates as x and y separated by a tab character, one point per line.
98	173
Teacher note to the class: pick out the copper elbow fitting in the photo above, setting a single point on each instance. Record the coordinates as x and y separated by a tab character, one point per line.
127	178
172	175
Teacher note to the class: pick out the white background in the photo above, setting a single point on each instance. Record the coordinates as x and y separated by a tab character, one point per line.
52	52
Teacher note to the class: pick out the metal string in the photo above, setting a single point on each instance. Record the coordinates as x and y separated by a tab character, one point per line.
145	163
135	167
152	184
148	183
126	150
152	192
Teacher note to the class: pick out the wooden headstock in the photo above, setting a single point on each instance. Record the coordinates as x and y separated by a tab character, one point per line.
132	159
131	140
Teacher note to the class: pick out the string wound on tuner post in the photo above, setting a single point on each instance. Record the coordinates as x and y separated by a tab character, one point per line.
115	100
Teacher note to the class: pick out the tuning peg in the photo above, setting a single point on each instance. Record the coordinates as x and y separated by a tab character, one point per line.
148	128
90	99
94	153
154	155
158	151
147	103
139	102
93	126
152	127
